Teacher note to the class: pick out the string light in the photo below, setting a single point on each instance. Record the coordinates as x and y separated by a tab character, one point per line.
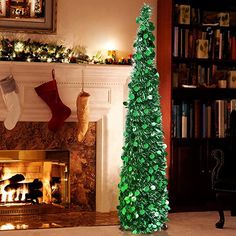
33	51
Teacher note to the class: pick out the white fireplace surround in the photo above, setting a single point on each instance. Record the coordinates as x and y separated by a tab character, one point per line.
107	85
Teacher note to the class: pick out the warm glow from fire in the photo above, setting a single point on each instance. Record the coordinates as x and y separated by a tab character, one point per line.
12	195
7	226
32	182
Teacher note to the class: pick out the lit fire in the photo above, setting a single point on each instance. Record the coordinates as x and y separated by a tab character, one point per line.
33	183
12	195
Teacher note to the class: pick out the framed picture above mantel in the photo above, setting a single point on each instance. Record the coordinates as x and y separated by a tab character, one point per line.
30	16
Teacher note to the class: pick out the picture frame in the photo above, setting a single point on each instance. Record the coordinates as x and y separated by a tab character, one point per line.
28	16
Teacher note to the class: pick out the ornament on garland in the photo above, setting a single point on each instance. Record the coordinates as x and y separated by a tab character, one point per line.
82	104
10	96
33	51
143	199
48	92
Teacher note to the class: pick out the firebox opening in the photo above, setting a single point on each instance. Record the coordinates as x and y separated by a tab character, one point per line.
34	177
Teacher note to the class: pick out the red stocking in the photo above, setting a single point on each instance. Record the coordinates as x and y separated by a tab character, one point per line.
60	112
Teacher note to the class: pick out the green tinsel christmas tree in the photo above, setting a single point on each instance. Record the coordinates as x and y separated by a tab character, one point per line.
143	196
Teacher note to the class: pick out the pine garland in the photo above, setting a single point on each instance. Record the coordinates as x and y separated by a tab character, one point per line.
34	51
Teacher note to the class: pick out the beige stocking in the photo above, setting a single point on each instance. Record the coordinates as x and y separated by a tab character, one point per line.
82	114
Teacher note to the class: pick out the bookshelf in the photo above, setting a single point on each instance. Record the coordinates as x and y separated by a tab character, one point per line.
203	90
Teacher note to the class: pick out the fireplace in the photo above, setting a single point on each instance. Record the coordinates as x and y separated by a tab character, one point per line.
38	178
107	86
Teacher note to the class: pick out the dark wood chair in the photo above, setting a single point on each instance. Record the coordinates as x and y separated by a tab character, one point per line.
224	183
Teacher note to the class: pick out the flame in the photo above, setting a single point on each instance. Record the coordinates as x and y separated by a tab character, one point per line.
12	195
33	172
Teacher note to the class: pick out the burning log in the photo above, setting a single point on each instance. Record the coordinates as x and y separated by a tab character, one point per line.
32	188
36	184
33	196
14	179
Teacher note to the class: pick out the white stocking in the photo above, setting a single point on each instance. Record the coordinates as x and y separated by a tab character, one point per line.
9	93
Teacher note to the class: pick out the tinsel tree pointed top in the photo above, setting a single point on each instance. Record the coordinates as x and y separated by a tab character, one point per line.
145	14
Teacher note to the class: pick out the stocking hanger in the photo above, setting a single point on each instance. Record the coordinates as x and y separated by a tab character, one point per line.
82	81
11	71
53	74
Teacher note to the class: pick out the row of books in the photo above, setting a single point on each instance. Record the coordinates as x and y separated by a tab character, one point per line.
202	120
210	44
193	74
186	14
202	75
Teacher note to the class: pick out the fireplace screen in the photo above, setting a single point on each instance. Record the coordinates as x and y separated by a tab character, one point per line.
34	177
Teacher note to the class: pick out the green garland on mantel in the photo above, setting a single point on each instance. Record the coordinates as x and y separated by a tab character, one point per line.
33	51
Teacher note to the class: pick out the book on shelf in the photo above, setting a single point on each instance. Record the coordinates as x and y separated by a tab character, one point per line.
232	16
183	14
214	17
178	121
233	105
208	120
174	123
223	18
233	47
184	120
220	119
176	42
190	124
232	79
198	119
204	120
202	48
186	42
195	16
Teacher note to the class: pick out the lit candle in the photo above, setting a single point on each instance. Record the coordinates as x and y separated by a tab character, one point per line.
111	54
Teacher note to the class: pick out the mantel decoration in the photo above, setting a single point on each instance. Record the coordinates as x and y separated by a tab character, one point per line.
35	51
143	200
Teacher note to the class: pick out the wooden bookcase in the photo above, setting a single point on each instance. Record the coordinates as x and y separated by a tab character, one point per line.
203	93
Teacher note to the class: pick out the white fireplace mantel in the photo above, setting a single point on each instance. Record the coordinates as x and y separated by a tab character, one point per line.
107	85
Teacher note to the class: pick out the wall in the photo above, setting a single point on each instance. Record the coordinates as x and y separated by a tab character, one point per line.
97	24
164	67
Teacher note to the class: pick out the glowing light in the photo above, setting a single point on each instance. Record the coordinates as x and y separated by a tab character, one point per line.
19	47
12	195
7	226
110	45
